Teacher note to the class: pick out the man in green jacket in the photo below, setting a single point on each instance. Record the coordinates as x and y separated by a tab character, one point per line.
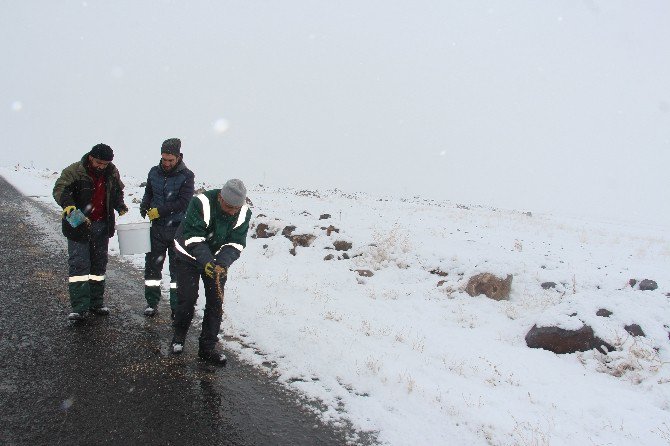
89	191
211	237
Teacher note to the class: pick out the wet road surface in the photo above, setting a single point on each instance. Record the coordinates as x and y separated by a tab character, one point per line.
111	379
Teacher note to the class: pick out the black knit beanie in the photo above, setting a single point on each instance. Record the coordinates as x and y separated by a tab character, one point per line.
171	146
102	152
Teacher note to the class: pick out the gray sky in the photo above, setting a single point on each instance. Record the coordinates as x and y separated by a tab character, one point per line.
556	106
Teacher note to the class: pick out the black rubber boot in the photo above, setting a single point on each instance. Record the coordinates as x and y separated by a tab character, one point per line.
99	311
177	344
213	357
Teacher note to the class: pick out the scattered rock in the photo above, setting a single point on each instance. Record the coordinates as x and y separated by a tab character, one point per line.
287	230
559	340
324	216
341	245
308	193
143	184
262	231
303	240
547	285
439	272
136	200
330	229
632	282
329	257
634	330
492	286
648	285
441	282
603	313
261	216
292	251
249	203
305	213
364	272
345	256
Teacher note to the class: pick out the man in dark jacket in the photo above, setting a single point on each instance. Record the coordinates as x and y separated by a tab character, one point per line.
210	239
169	189
92	189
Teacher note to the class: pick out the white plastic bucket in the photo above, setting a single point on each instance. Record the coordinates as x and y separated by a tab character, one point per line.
134	238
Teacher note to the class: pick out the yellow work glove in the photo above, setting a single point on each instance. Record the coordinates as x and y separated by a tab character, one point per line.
123	211
212	269
67	210
153	214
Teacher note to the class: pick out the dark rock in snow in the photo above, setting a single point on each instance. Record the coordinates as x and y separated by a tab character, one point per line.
330	229
303	240
329	257
632	282
287	230
547	285
341	245
561	341
262	231
439	272
634	330
648	285
603	313
324	216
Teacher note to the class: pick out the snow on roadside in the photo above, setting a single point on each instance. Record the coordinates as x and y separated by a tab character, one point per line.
407	353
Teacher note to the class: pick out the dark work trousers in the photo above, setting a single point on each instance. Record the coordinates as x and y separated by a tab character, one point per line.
188	284
87	266
162	240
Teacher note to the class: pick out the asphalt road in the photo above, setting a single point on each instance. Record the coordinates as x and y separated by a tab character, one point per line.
111	380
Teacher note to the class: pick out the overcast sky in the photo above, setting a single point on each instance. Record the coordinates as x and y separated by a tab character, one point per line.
555	106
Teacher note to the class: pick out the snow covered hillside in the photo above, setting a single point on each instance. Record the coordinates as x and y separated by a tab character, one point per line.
372	318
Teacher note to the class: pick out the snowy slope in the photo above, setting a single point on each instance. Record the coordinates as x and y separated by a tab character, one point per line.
408	354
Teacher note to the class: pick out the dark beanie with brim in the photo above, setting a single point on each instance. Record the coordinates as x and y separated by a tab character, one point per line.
171	146
102	152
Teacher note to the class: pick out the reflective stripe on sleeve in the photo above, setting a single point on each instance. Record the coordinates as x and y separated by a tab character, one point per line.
152	282
234	245
96	278
242	217
181	249
173	285
194	240
206	212
78	278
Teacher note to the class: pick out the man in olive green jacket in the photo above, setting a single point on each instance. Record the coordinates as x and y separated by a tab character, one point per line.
90	190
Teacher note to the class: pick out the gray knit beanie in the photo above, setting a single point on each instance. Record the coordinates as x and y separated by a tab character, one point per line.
234	193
